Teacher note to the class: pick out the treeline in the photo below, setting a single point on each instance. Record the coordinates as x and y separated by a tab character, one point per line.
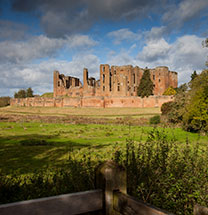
190	106
24	93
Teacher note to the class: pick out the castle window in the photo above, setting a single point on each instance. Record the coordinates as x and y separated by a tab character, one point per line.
76	82
159	80
103	68
134	78
58	84
153	77
114	72
110	85
103	88
118	87
103	78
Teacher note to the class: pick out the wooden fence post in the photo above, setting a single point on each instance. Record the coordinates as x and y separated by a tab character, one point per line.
110	177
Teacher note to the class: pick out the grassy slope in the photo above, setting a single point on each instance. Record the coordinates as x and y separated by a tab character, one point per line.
26	147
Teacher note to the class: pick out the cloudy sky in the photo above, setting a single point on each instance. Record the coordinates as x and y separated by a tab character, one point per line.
40	36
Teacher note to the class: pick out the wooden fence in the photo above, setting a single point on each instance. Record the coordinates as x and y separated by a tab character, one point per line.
110	199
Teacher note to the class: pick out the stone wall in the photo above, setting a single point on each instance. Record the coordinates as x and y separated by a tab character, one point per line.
103	102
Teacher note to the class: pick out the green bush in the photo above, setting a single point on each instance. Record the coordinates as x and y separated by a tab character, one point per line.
195	118
164	174
169	91
4	101
75	176
154	120
167	107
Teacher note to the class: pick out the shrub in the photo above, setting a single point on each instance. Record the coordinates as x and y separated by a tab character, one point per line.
175	111
75	176
196	116
154	120
4	101
169	91
164	174
167	107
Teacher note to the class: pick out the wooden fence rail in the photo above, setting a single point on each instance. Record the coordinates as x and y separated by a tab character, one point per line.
70	204
111	198
128	205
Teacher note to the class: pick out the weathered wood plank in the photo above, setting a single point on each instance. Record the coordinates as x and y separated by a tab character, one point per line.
70	204
200	210
111	176
127	205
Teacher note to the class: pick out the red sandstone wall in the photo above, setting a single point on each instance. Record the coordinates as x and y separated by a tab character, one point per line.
72	102
92	102
151	101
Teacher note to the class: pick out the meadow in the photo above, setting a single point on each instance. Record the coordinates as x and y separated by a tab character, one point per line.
26	147
45	153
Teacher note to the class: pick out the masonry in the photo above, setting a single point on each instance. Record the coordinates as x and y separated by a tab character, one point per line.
117	87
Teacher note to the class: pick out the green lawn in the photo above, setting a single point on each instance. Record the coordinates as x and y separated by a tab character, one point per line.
28	147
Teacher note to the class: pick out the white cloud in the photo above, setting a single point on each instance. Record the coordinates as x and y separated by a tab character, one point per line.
41	46
184	56
40	76
123	34
155	33
186	10
78	41
154	49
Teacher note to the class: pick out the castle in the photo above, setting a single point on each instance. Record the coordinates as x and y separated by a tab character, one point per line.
115	81
117	87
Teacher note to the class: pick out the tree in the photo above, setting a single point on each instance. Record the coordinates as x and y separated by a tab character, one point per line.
196	116
178	107
24	93
146	86
29	92
169	91
20	94
4	101
193	75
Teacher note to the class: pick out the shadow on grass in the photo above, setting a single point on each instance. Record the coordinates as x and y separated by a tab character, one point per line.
27	153
75	176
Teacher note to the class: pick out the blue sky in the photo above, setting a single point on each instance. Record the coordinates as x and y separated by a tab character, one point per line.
38	37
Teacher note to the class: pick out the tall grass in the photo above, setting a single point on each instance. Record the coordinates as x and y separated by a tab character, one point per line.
164	174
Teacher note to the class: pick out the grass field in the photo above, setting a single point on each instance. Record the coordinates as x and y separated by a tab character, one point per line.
51	151
89	112
27	147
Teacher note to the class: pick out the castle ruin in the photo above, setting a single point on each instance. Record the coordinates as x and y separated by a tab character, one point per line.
117	87
115	81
